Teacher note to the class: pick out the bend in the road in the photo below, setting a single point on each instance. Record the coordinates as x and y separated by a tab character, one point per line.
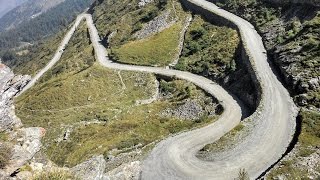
174	158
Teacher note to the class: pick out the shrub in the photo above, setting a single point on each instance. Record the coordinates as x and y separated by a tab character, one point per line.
243	175
5	155
54	175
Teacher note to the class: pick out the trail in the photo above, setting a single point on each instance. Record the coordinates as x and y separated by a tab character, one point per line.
174	157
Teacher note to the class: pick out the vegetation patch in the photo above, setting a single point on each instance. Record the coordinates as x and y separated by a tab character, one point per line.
224	143
37	56
5	154
89	110
158	50
124	19
208	49
54	175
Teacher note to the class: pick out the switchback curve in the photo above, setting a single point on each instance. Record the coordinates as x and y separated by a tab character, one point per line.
174	157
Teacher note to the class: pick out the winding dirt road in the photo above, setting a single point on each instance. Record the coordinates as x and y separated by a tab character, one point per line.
174	157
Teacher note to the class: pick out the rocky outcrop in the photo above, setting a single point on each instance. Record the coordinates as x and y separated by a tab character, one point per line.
158	24
10	85
190	110
128	171
142	3
181	40
28	144
93	169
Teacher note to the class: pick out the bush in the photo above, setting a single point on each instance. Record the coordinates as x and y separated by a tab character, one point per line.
5	155
54	175
243	175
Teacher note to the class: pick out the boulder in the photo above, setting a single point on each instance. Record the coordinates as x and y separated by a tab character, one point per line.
93	169
128	171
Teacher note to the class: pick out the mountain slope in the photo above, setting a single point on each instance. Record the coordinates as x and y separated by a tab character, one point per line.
8	5
45	24
25	12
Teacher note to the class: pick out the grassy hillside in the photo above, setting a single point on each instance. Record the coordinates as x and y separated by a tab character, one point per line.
158	50
209	50
88	109
125	19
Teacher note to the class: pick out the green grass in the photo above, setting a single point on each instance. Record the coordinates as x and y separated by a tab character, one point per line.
77	90
126	18
224	142
309	139
37	56
158	50
54	175
310	135
5	154
209	49
289	171
3	136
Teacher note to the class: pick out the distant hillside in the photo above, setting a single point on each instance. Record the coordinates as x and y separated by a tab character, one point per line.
8	5
49	22
311	2
26	11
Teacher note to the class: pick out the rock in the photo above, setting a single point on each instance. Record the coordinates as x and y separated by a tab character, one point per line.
314	83
128	171
190	110
158	24
142	3
93	169
10	85
24	175
26	149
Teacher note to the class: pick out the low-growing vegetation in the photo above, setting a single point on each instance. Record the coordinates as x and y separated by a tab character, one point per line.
209	50
36	56
224	143
5	154
158	50
124	19
89	110
54	175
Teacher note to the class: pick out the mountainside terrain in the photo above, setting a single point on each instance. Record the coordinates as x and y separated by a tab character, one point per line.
8	5
26	11
51	17
291	35
84	120
310	2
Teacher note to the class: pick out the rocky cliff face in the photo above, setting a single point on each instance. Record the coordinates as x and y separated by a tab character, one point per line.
311	2
10	85
27	139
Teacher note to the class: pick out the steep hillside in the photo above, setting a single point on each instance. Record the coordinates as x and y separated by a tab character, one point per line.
8	5
291	35
46	23
25	12
310	2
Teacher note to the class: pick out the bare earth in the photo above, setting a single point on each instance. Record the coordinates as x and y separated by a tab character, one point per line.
174	157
